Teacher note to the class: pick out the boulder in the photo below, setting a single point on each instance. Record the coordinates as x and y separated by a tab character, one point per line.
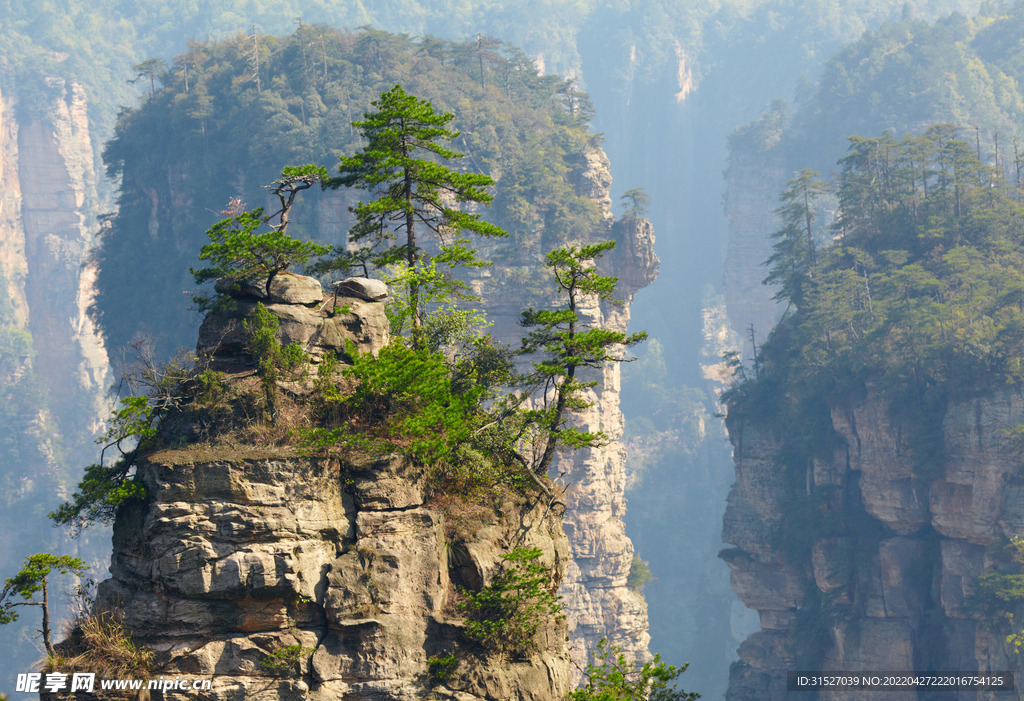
286	288
362	288
223	338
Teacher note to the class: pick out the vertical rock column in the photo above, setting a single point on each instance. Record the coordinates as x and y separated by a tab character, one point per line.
755	179
595	593
58	192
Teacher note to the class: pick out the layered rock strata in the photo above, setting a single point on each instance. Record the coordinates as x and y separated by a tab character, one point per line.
891	590
239	553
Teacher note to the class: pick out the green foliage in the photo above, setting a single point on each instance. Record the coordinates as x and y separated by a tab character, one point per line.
239	253
634	203
285	659
946	71
569	347
31	580
639	575
404	399
997	593
442	667
505	615
409	189
316	81
211	387
917	296
612	678
270	356
99	495
795	243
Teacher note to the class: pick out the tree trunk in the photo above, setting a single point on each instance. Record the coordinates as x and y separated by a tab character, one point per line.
46	621
549	449
414	290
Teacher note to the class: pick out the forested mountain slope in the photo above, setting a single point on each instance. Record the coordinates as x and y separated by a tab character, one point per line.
903	77
876	430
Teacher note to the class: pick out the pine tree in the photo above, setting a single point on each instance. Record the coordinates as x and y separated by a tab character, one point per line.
570	347
794	244
403	167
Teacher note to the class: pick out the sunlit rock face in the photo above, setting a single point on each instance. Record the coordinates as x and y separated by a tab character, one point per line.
242	552
239	552
595	596
903	568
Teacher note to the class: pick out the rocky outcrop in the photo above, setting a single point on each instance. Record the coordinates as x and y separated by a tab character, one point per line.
239	554
318	321
285	288
890	588
595	590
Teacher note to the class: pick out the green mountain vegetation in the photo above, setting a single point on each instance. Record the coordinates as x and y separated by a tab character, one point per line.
902	77
919	298
213	132
899	270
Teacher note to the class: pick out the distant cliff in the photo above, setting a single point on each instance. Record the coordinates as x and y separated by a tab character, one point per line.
909	564
877	434
53	364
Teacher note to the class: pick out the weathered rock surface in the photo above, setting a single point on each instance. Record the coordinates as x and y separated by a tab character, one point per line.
285	288
904	574
223	337
241	552
363	288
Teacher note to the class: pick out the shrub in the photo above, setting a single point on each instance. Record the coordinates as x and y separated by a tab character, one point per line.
442	667
639	575
505	615
612	678
404	400
268	354
285	659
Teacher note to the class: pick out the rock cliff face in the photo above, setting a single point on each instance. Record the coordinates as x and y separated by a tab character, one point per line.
596	598
754	179
595	589
240	552
52	393
48	174
902	574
